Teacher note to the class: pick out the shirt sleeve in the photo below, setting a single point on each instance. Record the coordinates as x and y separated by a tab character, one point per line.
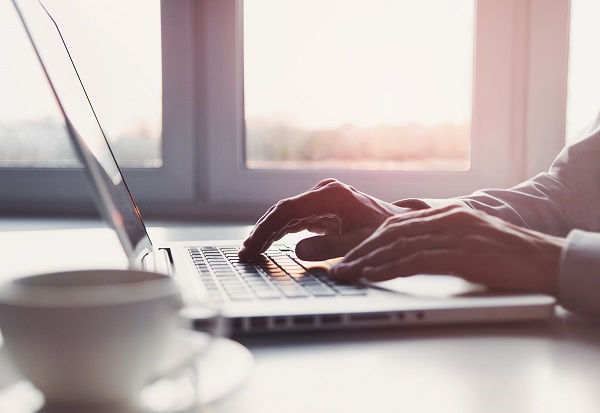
579	279
565	202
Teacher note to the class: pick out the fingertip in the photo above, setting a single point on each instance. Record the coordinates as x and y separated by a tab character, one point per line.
243	253
305	251
368	273
338	271
246	253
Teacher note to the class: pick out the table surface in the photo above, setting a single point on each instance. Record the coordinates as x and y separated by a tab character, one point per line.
547	366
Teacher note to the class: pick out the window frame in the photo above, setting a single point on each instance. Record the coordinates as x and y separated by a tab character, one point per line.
64	190
508	79
519	101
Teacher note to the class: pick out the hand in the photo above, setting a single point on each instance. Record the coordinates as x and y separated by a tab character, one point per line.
457	241
343	215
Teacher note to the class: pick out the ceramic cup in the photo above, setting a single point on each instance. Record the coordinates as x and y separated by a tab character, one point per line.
89	338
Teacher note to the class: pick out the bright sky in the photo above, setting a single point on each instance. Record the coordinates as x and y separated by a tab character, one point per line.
116	47
322	63
316	63
584	65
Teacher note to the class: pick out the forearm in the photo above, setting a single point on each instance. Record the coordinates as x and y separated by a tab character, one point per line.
537	204
565	198
532	205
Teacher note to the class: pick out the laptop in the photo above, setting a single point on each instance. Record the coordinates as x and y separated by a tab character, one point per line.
276	291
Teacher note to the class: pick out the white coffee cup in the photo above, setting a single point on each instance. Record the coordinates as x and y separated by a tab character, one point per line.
89	338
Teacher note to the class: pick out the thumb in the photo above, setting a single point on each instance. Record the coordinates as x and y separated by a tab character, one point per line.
323	247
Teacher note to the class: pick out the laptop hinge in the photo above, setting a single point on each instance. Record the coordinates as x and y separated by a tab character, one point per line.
158	261
148	262
162	261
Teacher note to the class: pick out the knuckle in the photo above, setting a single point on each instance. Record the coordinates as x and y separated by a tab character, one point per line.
387	251
284	205
339	190
336	185
326	182
394	219
391	233
389	221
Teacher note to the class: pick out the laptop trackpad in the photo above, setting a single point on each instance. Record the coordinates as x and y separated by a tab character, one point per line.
434	286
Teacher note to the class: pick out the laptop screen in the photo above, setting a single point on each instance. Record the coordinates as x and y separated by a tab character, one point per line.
108	186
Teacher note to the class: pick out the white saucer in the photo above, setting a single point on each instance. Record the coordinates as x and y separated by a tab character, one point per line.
221	368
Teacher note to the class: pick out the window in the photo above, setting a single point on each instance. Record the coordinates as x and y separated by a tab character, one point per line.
358	84
116	46
506	61
124	83
584	65
31	130
513	92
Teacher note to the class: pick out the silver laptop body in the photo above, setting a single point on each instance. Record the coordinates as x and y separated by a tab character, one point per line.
277	292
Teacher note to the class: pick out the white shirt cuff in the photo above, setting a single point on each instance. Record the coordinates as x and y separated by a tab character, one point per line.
579	277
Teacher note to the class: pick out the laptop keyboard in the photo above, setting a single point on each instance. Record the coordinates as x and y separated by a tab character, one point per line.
275	275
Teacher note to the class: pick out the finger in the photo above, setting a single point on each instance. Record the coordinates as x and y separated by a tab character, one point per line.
325	182
318	225
321	225
248	251
325	225
324	247
430	261
473	257
316	203
321	184
423	222
391	252
262	218
422	213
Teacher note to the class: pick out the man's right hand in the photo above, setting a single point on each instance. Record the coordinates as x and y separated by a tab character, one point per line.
342	215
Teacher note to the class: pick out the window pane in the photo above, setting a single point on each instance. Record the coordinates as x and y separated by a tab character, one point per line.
358	84
583	101
116	47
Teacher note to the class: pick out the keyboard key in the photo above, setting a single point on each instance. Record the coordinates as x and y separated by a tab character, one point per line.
293	292
258	284
304	276
275	275
257	287
232	286
246	270
284	282
308	281
279	276
269	294
320	291
242	297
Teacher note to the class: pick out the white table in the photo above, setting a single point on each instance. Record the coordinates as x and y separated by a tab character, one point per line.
551	366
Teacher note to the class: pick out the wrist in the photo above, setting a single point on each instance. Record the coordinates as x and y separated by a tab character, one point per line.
553	251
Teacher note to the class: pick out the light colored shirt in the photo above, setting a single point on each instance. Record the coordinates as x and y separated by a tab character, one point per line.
565	202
